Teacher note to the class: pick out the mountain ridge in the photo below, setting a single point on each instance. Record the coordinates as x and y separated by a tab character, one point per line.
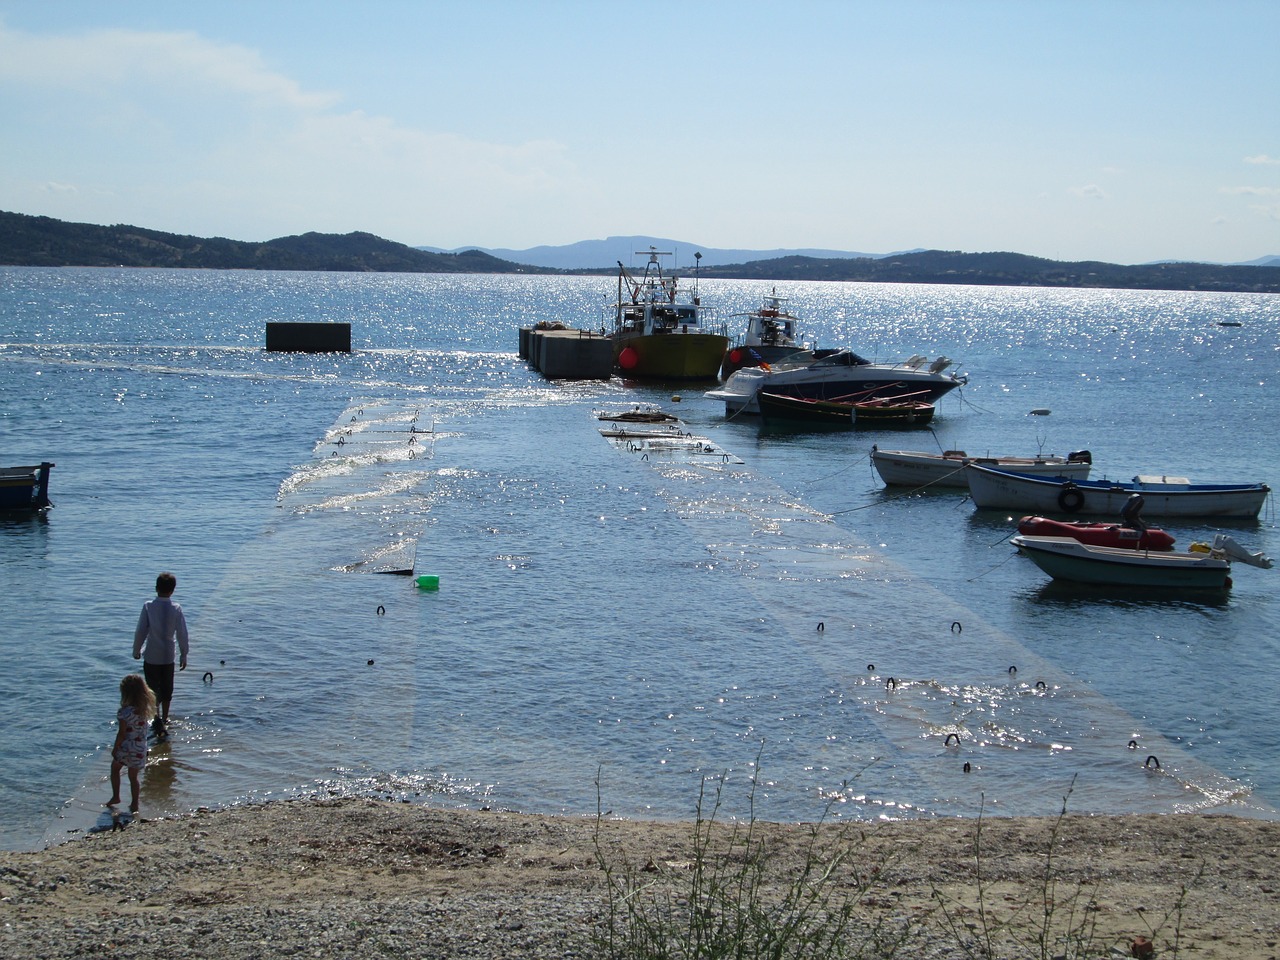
604	254
46	242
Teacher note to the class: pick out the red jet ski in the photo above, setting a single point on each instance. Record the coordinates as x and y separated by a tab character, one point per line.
1098	534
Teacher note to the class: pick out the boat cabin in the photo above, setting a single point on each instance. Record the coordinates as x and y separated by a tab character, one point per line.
653	304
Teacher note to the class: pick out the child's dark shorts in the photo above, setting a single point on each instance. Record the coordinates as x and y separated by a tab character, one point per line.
159	677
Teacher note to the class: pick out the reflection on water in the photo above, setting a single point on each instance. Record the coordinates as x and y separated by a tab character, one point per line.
1074	596
649	613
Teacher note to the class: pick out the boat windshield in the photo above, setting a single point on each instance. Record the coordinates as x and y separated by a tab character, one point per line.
844	358
675	315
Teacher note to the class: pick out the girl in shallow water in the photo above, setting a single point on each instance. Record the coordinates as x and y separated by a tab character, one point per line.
137	705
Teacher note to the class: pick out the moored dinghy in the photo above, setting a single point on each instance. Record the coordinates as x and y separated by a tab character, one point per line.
778	406
918	468
1098	534
1204	567
844	412
1163	496
899	412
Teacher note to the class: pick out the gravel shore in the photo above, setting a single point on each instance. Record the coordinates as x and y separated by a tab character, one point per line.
337	879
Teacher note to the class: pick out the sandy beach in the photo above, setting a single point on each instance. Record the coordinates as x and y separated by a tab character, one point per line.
338	878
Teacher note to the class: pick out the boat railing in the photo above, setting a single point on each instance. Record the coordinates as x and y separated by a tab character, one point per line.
627	317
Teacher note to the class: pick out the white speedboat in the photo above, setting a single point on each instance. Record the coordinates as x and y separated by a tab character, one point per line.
919	468
843	376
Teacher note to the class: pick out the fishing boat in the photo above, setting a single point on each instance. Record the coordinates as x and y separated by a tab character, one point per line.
1163	496
658	331
898	412
783	406
25	488
770	338
1204	567
839	376
1098	534
918	468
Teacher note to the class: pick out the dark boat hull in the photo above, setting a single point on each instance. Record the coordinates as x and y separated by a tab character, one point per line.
889	414
669	356
781	406
25	488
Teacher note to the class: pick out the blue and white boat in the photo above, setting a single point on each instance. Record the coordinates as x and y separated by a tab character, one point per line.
1163	496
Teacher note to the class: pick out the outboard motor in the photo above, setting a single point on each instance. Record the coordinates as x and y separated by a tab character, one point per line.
1236	551
1079	456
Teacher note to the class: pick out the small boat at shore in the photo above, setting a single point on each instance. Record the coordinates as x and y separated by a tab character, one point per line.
1163	496
658	331
918	468
25	488
1204	567
1097	534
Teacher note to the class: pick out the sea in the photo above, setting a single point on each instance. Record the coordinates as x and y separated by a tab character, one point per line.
741	622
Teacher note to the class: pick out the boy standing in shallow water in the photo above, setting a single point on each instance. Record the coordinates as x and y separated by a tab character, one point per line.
137	704
160	624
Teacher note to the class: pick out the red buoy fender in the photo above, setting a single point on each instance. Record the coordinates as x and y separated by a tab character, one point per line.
628	358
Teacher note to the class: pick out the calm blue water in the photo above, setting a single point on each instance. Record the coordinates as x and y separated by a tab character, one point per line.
610	619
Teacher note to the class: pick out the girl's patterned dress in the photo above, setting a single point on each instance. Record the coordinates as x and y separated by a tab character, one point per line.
132	751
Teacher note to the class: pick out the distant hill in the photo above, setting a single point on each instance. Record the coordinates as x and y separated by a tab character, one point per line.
45	242
605	254
1010	269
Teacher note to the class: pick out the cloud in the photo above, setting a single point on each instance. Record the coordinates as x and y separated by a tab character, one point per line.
1267	210
100	63
203	137
1090	191
1251	191
1264	160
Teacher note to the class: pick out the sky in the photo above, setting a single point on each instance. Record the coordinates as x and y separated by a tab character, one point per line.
1125	131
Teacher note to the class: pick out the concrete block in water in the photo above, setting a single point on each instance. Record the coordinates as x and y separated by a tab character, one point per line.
309	337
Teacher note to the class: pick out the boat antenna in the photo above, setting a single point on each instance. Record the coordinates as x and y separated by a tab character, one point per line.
697	263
